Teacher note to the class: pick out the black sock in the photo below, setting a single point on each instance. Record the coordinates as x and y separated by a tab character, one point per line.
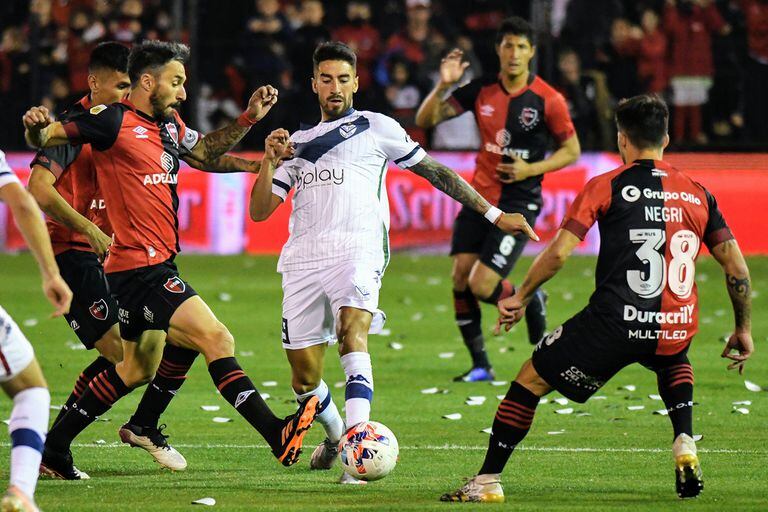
676	389
171	374
511	424
88	373
468	318
104	390
503	290
237	388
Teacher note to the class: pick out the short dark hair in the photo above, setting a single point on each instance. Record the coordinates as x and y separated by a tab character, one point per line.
153	55
644	119
516	26
334	50
109	55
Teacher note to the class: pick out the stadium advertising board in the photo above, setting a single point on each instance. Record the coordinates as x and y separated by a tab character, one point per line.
213	208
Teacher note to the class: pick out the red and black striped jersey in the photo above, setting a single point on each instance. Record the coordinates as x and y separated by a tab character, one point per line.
77	183
137	161
652	220
522	124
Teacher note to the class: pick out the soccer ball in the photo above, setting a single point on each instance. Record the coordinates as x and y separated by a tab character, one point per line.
368	451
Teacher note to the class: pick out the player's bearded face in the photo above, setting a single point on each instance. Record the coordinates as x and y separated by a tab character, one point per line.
168	92
515	54
335	83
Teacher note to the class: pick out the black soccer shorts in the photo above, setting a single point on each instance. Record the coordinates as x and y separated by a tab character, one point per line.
93	311
584	353
473	234
147	297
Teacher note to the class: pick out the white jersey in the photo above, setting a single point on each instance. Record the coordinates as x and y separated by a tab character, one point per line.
340	206
6	174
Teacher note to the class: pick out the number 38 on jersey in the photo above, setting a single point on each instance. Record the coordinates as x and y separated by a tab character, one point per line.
678	274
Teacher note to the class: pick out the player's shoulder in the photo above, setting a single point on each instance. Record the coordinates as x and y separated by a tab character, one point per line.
544	89
606	178
379	121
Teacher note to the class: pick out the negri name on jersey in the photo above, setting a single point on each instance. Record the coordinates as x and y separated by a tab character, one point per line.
319	177
663	214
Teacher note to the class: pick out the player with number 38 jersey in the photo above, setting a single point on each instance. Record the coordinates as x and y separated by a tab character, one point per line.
654	220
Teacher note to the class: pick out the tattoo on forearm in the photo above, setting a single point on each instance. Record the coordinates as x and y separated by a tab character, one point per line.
223	164
222	140
740	290
443	178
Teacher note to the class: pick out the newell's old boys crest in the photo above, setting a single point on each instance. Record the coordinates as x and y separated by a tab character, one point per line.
99	310
175	285
171	129
347	130
529	117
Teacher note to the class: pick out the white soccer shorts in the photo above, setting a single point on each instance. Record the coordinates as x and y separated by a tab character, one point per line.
312	299
15	350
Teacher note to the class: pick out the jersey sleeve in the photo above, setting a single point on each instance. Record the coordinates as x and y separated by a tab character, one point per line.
6	173
98	127
396	144
283	180
558	118
188	138
716	230
591	204
56	159
463	99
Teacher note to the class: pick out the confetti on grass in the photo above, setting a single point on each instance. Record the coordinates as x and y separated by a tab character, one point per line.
452	416
219	419
635	407
567	410
741	410
446	355
210	408
752	386
205	501
396	346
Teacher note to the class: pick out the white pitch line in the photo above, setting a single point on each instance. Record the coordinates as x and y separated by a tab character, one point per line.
445	447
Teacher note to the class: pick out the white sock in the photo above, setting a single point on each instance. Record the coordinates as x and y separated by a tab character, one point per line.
28	425
328	414
359	392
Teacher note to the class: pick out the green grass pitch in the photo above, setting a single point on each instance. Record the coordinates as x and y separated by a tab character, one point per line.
611	458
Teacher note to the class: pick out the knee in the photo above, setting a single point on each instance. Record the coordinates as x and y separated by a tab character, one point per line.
217	342
110	347
481	288
134	375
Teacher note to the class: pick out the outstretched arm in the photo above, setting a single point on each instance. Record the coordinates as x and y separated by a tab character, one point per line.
737	280
435	108
30	222
544	267
215	144
445	179
224	164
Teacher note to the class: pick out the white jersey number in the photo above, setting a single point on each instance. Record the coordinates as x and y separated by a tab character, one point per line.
683	245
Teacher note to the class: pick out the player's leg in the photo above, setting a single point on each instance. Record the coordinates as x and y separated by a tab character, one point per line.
497	259
307	329
352	326
674	376
307	381
23	381
140	358
194	326
142	429
27	428
511	424
469	232
92	316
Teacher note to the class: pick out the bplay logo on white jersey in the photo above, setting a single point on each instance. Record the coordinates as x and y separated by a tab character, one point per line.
316	176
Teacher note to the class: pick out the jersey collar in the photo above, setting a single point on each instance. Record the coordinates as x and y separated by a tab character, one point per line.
531	78
85	101
346	113
138	112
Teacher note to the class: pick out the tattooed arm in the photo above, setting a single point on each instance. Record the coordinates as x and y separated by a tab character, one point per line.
739	287
216	143
224	164
435	108
443	178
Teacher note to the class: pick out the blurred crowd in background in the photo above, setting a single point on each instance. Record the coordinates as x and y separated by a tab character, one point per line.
708	58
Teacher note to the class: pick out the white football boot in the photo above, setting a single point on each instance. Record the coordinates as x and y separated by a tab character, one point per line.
325	455
689	481
156	443
479	489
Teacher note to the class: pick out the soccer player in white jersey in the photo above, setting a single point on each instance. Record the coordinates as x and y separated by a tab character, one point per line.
338	248
20	374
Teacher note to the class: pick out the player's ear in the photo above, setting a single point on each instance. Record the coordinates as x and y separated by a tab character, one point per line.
665	142
314	85
357	84
147	81
93	84
621	140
